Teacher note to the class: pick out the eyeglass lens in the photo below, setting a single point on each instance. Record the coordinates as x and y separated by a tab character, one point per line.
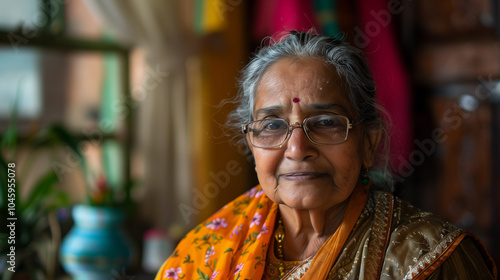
324	129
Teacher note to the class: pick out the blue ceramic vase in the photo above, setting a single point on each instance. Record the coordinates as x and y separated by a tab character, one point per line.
95	248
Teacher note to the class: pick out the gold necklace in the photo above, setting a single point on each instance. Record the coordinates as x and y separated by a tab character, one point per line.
280	236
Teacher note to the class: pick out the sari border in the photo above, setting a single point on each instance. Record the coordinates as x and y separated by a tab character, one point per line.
299	270
380	236
429	268
431	261
384	218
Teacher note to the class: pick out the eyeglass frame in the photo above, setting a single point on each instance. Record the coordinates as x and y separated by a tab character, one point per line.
291	127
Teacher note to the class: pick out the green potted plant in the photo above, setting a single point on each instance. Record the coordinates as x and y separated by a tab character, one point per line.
29	246
37	249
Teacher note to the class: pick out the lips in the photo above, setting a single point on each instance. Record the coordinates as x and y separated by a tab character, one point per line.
303	175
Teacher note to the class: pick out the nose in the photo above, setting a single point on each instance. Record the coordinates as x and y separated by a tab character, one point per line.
298	146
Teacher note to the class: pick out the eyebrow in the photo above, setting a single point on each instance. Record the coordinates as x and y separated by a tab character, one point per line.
271	110
278	109
322	106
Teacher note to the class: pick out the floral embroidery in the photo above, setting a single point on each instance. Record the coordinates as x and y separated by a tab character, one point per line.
217	223
173	273
236	230
214	275
252	192
238	268
210	252
264	229
259	193
256	220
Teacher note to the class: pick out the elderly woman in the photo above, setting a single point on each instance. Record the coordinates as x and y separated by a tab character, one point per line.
323	209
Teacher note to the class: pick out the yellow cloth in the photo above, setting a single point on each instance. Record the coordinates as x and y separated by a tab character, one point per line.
211	15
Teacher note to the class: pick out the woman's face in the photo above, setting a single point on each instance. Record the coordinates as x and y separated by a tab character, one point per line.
301	174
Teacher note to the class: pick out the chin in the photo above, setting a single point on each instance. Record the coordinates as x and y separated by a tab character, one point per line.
311	195
313	189
301	200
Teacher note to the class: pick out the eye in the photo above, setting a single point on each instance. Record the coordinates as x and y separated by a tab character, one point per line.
273	124
327	122
268	126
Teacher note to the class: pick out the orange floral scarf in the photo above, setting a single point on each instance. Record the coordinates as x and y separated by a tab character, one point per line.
233	243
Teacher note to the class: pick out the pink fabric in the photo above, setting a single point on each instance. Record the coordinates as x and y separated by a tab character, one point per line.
376	22
273	17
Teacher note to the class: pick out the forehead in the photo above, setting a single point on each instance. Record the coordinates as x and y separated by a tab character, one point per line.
309	80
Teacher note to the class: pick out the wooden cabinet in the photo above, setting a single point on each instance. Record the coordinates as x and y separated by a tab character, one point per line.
455	62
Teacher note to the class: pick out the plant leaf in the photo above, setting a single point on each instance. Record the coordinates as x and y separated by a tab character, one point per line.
59	199
3	183
9	139
41	190
60	133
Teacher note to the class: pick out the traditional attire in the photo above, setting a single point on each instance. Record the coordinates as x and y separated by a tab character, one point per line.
380	237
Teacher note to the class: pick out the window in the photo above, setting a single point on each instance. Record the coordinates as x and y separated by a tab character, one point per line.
61	68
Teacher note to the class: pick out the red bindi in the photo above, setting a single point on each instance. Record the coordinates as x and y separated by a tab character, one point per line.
295	100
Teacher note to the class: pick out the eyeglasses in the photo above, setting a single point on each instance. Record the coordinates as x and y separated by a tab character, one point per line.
322	130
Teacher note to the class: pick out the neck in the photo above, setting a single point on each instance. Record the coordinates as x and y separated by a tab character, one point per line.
307	229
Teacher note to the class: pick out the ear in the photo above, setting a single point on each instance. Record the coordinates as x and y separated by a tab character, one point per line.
371	141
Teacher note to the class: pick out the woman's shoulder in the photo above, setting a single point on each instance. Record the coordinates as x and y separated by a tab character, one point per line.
407	217
421	241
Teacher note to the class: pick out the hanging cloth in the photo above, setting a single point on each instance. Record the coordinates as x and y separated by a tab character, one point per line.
273	17
327	17
375	34
210	16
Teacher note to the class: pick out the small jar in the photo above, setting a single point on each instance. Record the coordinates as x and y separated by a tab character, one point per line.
157	248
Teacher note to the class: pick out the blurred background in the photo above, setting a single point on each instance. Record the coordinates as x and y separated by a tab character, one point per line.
122	104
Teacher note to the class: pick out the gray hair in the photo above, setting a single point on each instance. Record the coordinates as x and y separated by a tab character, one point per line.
350	65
